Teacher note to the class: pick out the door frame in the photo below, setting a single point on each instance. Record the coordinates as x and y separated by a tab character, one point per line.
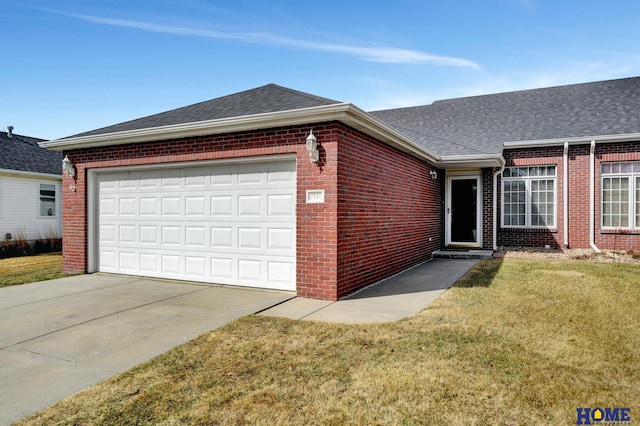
463	175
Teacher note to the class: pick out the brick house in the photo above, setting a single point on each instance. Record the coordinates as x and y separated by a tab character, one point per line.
281	189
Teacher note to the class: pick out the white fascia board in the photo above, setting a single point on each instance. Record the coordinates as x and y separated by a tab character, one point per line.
471	161
368	124
628	137
26	175
346	113
200	128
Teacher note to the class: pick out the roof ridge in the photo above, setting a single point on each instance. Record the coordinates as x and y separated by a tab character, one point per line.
536	89
512	92
300	93
23	138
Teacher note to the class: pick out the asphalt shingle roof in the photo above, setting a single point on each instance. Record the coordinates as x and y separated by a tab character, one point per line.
23	153
481	124
472	125
265	99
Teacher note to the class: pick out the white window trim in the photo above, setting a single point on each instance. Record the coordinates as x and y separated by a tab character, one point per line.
632	197
527	183
55	200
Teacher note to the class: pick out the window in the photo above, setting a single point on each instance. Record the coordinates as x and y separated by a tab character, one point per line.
620	195
47	199
529	197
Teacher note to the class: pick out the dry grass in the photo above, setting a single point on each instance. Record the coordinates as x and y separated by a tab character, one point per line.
21	270
515	342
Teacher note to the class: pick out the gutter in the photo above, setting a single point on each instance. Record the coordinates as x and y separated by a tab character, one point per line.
495	202
627	137
592	206
26	174
565	194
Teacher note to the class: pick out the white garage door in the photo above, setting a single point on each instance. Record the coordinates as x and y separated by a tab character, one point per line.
228	224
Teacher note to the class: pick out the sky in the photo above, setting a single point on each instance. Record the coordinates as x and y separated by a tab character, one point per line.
69	66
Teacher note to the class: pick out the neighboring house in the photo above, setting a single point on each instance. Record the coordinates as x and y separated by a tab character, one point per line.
232	190
30	189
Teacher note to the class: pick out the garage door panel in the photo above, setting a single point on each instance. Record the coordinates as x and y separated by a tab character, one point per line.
127	261
196	236
195	206
280	205
127	234
231	224
149	263
126	206
222	237
222	269
108	233
170	206
280	272
108	206
149	234
108	261
222	205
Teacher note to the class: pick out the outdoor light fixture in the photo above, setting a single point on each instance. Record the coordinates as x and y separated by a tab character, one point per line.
434	174
312	147
67	167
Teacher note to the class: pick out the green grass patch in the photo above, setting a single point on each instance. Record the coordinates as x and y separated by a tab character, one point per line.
514	342
28	269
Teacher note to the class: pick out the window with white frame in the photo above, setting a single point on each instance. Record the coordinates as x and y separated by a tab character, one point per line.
47	200
529	197
620	195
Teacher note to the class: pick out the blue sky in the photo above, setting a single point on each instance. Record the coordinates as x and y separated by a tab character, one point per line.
71	66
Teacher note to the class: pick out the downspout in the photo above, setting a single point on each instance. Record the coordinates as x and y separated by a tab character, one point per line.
592	203
565	194
495	202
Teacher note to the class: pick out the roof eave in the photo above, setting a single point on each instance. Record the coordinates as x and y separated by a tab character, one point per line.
453	162
626	137
346	113
28	174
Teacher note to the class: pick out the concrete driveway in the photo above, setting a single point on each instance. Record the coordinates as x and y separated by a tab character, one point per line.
58	337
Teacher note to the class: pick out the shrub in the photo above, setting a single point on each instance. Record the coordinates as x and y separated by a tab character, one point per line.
21	247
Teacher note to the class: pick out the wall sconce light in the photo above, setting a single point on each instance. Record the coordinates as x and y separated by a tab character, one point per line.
67	168
312	147
434	174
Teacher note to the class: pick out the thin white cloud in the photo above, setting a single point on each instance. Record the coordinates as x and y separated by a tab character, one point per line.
373	54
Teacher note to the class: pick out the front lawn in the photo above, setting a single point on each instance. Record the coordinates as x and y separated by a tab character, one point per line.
28	269
514	342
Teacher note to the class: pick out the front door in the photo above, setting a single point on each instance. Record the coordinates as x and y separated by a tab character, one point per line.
464	211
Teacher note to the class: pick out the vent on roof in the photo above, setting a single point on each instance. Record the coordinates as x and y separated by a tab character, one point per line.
10	131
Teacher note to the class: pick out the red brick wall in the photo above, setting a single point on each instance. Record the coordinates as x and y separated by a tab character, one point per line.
487	209
389	211
578	203
578	196
316	223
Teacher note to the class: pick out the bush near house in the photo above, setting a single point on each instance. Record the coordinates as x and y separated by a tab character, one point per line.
22	247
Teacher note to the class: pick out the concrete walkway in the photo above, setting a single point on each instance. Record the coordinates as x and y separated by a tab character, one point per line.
398	297
61	336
